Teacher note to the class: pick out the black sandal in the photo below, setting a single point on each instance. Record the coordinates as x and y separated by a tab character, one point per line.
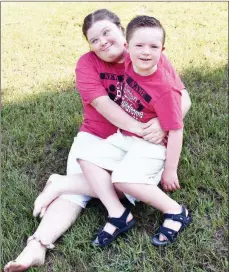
171	234
104	238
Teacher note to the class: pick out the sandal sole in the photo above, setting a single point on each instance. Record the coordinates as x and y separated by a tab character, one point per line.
170	242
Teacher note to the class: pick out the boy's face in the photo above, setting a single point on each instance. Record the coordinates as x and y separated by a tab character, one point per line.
145	47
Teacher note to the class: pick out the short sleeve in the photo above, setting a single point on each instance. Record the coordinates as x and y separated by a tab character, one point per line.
166	64
88	81
168	110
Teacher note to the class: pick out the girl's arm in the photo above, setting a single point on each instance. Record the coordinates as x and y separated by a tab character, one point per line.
150	131
117	116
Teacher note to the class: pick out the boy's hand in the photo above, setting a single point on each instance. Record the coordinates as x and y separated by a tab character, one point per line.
153	132
169	180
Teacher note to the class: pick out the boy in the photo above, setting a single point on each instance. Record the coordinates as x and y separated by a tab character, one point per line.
150	91
138	166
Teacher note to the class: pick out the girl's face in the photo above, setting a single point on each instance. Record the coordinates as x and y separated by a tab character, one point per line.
145	47
107	41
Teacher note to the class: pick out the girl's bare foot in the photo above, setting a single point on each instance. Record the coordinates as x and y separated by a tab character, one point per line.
51	191
32	255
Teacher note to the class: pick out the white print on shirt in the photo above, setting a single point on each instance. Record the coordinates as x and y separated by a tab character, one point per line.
119	89
129	108
115	92
127	94
131	104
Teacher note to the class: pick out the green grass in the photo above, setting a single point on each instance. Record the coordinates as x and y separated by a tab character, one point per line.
42	113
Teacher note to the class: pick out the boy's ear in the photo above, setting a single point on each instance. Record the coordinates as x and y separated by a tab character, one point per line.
163	48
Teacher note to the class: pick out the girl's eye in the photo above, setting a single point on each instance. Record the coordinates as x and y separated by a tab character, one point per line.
154	46
105	32
94	41
138	45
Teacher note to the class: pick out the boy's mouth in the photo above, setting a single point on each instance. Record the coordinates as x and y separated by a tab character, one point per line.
145	59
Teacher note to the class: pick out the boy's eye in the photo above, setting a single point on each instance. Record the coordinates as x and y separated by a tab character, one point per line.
154	46
138	45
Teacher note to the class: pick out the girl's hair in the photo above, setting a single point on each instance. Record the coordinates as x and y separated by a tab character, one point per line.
99	15
143	21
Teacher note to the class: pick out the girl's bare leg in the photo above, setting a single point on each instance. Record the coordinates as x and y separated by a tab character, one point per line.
59	216
58	185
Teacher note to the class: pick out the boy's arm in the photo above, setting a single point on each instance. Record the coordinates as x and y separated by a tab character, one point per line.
185	102
170	180
153	132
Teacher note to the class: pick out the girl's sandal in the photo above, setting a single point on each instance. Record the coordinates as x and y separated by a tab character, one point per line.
171	234
104	238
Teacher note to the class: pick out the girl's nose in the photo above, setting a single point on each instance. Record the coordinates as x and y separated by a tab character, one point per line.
103	41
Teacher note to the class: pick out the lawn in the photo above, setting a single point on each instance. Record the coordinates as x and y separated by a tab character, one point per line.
42	112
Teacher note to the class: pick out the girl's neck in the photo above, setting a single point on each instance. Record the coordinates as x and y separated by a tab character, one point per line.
121	59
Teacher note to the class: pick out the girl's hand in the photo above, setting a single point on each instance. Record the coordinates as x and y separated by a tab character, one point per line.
153	132
169	180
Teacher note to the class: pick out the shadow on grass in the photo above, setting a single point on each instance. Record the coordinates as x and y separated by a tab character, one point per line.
46	123
38	133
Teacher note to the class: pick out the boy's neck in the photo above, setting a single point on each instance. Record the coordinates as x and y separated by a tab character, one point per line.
145	73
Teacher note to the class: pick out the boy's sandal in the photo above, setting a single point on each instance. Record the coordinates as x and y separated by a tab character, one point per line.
171	234
48	246
104	238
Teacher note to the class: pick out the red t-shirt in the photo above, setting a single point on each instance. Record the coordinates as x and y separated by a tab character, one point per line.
157	95
95	78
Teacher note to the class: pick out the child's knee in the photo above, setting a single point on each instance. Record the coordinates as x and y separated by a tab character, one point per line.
84	164
118	186
119	178
80	162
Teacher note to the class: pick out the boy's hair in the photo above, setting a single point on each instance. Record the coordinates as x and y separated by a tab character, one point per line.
99	15
143	21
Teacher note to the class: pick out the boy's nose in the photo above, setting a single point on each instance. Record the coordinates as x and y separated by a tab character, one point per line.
146	51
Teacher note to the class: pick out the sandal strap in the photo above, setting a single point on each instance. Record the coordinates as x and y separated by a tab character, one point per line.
121	221
103	236
181	217
33	237
170	234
